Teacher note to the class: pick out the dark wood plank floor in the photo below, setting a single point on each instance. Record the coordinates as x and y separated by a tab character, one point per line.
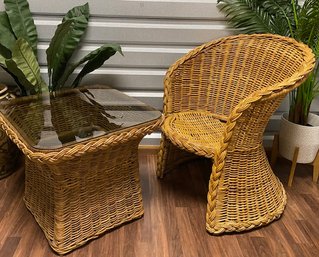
174	220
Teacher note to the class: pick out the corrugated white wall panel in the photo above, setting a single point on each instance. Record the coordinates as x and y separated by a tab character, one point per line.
168	32
135	56
182	9
153	35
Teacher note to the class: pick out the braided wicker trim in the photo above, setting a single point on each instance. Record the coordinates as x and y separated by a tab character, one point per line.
70	152
238	227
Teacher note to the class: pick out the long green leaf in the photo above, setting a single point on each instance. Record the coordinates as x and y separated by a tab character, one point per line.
20	77
2	61
7	38
94	60
82	10
4	54
19	85
62	46
73	26
24	66
22	22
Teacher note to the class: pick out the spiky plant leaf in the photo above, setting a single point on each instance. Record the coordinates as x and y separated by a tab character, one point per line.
288	18
94	60
282	15
316	48
25	67
63	44
302	100
246	16
256	16
22	22
307	30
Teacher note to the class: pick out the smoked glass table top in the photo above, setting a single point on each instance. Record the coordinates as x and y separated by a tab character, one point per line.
50	121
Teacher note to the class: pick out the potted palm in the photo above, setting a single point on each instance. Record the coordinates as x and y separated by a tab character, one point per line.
299	128
18	53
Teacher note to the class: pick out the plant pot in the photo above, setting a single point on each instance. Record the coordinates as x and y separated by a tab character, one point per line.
293	135
9	152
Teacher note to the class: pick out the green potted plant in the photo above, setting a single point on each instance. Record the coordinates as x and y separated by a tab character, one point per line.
299	21
18	53
18	48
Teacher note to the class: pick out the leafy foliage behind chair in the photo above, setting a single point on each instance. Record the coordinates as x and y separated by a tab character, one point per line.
287	18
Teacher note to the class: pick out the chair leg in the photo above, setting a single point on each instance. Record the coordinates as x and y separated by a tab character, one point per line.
293	166
274	150
162	157
316	168
246	194
170	157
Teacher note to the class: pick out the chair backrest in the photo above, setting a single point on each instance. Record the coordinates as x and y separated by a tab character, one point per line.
218	75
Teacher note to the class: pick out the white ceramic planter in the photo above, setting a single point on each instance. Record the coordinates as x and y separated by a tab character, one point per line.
292	135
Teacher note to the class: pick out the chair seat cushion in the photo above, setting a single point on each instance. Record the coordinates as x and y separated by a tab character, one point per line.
197	132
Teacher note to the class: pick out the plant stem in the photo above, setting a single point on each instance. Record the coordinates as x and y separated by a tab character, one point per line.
295	14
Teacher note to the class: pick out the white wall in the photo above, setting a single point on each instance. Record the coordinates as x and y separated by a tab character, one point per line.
152	33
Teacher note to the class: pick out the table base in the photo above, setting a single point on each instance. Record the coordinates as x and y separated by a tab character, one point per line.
77	200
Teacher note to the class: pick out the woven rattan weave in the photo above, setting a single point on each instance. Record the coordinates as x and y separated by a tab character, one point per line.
217	102
81	176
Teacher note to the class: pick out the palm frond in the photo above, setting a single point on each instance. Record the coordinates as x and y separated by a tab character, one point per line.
316	48
255	16
282	13
287	18
308	28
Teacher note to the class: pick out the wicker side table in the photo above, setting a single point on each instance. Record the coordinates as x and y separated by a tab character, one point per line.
82	175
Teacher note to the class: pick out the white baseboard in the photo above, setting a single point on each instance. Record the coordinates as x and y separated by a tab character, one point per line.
154	140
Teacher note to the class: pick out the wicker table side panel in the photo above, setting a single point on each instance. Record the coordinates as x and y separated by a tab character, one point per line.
77	200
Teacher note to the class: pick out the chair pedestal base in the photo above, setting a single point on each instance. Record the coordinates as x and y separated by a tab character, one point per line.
248	194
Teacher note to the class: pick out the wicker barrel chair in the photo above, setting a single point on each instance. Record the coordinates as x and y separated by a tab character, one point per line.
218	100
